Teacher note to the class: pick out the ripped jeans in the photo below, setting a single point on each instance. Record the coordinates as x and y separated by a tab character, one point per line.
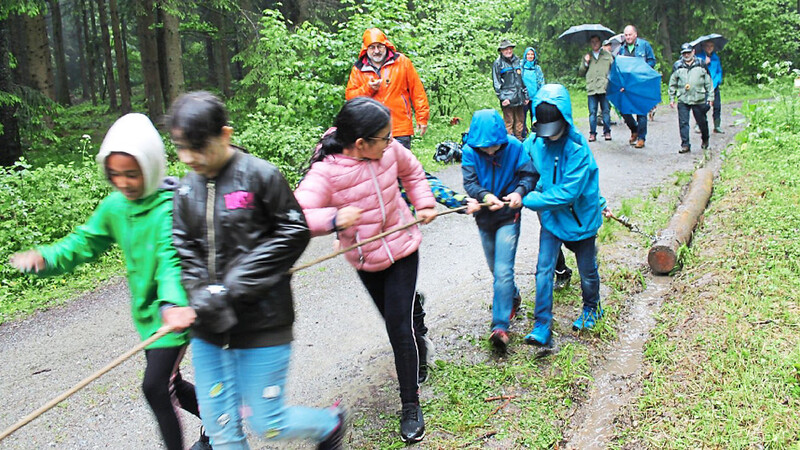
232	383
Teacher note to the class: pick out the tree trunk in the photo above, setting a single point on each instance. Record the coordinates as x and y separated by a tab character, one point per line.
62	82
40	69
172	57
213	80
89	53
149	50
106	46
18	47
10	146
95	59
223	59
82	63
122	60
664	37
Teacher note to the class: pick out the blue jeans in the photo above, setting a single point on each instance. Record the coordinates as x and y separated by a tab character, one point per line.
594	101
586	257
500	249
638	126
228	379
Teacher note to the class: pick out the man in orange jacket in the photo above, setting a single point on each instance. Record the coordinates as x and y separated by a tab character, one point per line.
386	75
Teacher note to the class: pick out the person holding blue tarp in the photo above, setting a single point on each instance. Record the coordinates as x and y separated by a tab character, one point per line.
639	48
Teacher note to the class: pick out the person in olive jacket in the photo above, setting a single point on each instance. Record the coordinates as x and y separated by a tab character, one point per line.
138	218
692	86
595	66
510	89
238	230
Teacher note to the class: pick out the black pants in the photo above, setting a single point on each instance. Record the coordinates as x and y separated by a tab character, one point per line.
392	291
699	111
163	385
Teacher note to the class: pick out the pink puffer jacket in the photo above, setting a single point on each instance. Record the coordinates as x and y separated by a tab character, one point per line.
338	181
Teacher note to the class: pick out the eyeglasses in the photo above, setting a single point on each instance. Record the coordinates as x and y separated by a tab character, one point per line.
381	138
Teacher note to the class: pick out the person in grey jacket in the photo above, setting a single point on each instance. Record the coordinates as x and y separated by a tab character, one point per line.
595	67
510	89
691	85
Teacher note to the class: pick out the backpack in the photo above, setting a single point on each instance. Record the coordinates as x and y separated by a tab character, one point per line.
447	152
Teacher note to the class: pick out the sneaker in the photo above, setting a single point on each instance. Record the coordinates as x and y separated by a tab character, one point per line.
335	440
607	136
684	149
426	351
592	137
412	424
515	306
540	336
697	128
639	143
562	279
718	130
587	319
633	139
704	145
499	340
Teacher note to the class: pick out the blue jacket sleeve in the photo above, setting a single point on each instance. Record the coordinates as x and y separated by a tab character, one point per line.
649	56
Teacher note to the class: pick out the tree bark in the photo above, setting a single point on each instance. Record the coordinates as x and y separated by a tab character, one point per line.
40	69
122	60
95	59
82	60
62	82
106	46
10	146
89	52
176	84
149	50
223	66
18	47
664	37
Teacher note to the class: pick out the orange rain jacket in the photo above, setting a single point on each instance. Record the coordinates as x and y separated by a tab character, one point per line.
400	90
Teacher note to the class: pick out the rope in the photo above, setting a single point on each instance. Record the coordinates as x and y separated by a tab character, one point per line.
49	405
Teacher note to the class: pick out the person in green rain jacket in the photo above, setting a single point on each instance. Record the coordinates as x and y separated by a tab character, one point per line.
137	217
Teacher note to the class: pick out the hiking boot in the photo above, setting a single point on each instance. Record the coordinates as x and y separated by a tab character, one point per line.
684	149
426	351
587	319
607	136
499	340
718	130
704	145
562	279
633	139
540	336
592	137
335	440
412	424
515	306
639	143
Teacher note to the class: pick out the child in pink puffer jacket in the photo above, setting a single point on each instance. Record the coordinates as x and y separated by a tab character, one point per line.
351	189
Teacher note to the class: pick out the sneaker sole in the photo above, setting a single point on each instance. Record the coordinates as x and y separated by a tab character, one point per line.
417	439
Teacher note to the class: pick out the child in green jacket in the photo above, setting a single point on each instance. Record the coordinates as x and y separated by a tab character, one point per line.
138	217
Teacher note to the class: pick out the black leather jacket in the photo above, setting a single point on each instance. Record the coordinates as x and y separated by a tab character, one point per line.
237	235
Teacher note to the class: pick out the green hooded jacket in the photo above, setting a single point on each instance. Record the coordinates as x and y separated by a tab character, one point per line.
142	228
690	84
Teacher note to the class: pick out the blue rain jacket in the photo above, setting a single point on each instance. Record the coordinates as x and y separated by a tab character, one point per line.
714	68
532	74
508	170
641	49
568	192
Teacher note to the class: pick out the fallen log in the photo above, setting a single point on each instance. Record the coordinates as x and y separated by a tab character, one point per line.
663	255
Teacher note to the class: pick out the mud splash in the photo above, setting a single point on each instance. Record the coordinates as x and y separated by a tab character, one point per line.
616	381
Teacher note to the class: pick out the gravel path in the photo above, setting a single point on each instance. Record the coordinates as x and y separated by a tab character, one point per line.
341	349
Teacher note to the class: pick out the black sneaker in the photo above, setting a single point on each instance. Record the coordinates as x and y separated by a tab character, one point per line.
412	425
562	279
204	443
335	440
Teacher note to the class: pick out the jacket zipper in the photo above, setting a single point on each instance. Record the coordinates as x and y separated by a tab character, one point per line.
555	168
575	216
212	245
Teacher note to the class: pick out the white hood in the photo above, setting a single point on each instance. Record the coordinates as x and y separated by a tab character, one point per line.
135	135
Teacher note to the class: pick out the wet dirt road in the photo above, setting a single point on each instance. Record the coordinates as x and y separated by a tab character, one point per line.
340	351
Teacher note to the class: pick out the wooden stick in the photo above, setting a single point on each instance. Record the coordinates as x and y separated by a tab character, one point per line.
374	238
505	403
163	331
499	397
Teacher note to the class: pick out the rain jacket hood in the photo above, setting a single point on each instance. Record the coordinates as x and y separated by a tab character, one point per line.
486	129
530	64
532	74
371	36
558	96
135	135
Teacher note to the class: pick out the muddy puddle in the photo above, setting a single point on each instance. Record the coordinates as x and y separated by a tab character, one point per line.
616	381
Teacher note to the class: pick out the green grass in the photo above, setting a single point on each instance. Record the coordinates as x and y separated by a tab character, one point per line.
725	357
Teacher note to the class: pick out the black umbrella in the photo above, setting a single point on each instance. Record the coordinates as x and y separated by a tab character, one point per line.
580	34
719	42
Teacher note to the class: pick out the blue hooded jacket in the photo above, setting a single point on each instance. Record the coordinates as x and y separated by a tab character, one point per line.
508	170
714	68
532	74
568	191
